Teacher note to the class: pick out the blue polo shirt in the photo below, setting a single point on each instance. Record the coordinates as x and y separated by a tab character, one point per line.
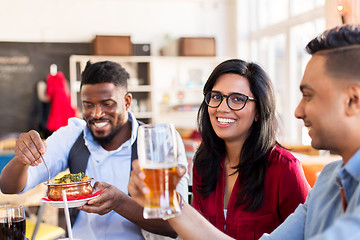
322	215
112	167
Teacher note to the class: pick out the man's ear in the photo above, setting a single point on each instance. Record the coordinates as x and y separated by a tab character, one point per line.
128	99
353	100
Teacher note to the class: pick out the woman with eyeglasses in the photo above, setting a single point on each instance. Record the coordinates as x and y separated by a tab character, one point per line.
244	182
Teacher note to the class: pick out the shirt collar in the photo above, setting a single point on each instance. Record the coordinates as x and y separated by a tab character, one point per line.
353	166
134	128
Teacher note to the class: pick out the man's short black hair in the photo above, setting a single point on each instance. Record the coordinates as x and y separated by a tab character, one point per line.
104	72
341	48
338	37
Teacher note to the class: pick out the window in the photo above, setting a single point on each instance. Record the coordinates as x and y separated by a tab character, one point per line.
303	6
275	37
271	12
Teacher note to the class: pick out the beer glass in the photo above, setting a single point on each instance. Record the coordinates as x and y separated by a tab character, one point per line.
12	222
158	158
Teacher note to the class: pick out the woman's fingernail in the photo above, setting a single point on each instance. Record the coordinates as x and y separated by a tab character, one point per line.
145	190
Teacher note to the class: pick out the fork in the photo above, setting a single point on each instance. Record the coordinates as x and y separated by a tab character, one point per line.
42	158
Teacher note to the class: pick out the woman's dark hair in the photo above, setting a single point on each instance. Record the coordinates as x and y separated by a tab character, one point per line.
262	137
104	72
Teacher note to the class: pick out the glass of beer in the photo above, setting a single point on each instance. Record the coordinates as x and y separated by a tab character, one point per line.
12	222
158	158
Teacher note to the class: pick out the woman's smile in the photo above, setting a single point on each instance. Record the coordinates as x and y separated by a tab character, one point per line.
225	121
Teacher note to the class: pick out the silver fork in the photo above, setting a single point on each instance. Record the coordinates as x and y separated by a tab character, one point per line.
42	158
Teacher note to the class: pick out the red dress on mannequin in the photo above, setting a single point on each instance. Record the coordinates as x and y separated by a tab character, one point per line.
59	95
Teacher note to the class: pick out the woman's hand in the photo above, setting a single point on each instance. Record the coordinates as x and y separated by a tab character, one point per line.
137	187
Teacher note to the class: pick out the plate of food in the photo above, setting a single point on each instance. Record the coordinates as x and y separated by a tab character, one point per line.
71	203
77	187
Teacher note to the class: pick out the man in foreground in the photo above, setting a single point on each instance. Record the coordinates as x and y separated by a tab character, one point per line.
330	108
108	134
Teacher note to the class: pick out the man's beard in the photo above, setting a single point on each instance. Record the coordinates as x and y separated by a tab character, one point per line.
106	140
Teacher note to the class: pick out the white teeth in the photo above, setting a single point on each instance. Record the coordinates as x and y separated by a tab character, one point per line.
100	124
225	120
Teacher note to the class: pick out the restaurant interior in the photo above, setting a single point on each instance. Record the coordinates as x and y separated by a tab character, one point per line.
169	48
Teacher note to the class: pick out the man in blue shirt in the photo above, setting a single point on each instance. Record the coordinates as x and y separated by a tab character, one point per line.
109	132
330	109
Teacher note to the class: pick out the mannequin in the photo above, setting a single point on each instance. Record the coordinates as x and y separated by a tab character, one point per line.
41	92
41	85
58	94
53	69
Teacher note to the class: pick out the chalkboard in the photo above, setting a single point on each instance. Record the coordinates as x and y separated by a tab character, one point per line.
22	65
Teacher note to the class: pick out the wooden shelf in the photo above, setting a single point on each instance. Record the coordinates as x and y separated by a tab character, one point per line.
156	78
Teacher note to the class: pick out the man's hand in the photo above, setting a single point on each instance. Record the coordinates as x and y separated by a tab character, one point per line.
29	147
137	187
107	201
28	150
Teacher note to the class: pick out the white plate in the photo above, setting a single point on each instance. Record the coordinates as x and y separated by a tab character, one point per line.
71	204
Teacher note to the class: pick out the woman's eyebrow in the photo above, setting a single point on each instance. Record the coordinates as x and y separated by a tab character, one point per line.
228	93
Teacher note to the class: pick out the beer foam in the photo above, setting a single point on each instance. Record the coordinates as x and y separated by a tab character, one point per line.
158	165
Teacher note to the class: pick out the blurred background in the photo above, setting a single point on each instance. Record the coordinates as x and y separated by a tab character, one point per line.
35	34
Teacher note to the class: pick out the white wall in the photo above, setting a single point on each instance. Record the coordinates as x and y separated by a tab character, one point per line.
146	21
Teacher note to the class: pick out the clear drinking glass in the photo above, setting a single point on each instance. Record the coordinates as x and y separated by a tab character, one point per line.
12	222
158	158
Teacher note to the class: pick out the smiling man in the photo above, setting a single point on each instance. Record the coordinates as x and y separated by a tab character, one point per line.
330	109
102	145
105	108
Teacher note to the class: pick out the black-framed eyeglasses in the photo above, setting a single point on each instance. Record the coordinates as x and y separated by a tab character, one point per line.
235	101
